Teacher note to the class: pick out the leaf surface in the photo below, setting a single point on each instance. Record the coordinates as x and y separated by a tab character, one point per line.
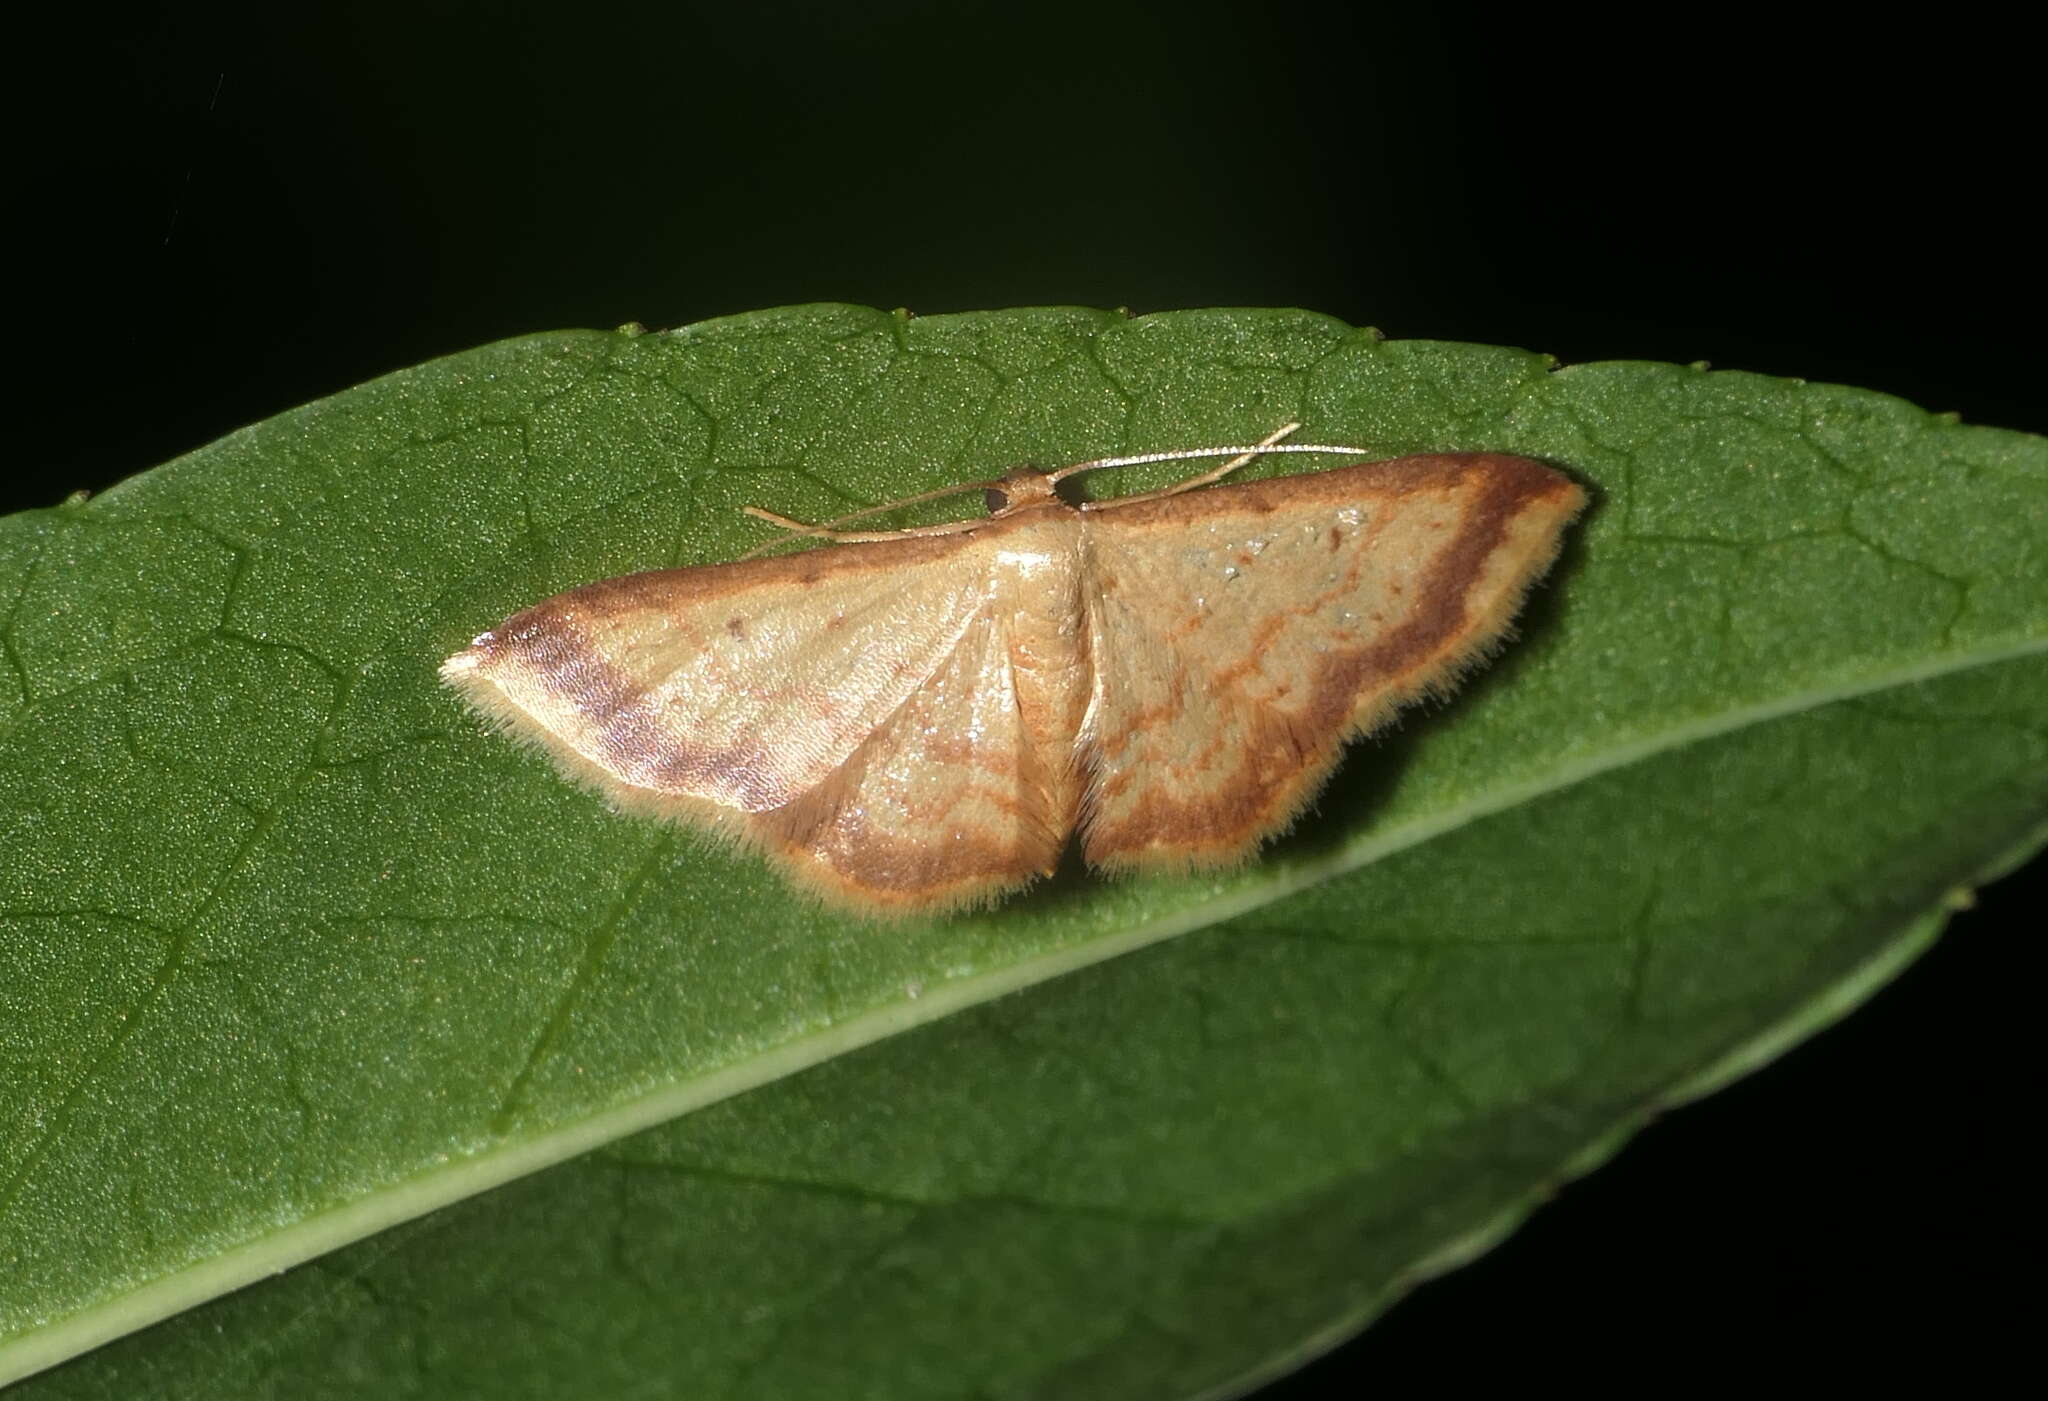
290	950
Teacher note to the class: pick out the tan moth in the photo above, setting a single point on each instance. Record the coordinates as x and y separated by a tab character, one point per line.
921	719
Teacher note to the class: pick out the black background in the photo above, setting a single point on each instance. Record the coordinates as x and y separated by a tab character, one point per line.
226	219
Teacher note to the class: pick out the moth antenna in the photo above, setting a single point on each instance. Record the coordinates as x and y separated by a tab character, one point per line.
1238	456
1270	445
829	530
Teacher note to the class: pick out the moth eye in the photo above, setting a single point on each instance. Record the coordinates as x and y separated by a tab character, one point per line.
998	501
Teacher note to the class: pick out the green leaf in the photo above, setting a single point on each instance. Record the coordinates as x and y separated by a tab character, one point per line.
293	951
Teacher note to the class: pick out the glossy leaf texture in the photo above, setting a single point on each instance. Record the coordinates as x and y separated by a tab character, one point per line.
291	950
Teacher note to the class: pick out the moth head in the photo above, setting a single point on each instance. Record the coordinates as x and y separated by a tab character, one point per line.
1020	490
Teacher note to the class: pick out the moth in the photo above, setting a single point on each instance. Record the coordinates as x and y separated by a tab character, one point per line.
921	719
